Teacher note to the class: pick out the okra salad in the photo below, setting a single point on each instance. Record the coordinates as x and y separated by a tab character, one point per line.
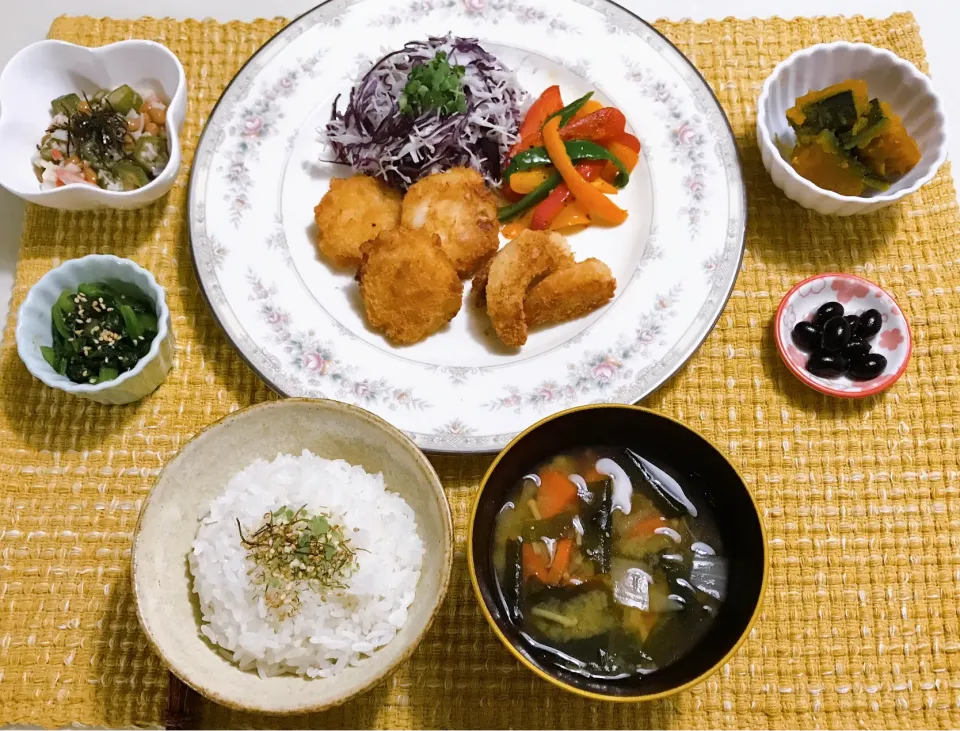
116	140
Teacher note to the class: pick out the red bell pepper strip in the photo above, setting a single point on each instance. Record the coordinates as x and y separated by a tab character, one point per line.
548	209
628	140
604	124
548	103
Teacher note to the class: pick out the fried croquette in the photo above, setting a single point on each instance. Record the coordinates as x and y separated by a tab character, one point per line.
409	286
478	285
569	293
352	212
531	255
461	210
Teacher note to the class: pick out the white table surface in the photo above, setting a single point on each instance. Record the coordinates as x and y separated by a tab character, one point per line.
26	21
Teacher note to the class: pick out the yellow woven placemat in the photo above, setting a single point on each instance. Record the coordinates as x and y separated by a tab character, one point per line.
861	500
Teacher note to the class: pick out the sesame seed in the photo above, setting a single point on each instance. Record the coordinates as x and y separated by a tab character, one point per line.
89	320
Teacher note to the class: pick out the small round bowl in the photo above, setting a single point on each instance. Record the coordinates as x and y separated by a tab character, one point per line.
34	329
889	78
684	452
894	341
167	607
45	70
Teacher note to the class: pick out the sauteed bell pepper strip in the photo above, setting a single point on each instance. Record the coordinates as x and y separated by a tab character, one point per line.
591	106
567	113
603	125
524	182
570	215
530	199
595	203
627	148
546	212
576	150
545	105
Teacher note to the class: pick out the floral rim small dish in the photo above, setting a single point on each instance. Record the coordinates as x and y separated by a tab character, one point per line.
34	323
49	70
261	167
890	78
893	341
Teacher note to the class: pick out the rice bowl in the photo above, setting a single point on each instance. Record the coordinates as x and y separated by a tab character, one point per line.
329	632
169	610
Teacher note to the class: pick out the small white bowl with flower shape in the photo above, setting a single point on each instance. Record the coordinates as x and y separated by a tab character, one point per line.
50	69
34	323
890	78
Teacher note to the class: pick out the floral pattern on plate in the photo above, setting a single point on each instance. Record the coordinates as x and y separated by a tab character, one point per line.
299	323
856	295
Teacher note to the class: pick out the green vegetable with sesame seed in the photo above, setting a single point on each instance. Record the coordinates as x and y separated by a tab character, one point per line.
100	331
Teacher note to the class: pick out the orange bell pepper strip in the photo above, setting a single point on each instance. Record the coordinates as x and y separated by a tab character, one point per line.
589	107
546	104
555	494
550	207
570	216
561	561
604	124
525	181
517	226
627	156
604	187
533	564
595	203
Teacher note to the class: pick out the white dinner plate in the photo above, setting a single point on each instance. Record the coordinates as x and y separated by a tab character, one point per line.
299	323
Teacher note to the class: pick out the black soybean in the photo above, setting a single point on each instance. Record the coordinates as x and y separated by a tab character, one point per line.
870	324
806	336
867	366
826	312
836	334
855	347
826	365
853	321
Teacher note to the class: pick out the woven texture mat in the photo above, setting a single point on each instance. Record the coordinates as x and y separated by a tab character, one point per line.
861	500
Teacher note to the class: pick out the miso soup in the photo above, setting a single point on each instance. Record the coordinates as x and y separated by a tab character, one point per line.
608	566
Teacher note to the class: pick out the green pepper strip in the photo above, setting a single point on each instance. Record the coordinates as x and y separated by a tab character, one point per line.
537	157
568	112
530	199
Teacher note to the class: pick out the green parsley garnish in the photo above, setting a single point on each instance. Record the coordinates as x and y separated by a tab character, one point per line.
434	86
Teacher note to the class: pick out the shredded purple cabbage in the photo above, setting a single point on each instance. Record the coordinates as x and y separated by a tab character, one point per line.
374	137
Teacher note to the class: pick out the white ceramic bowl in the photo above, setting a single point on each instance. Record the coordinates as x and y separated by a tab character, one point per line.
889	78
34	329
46	70
169	610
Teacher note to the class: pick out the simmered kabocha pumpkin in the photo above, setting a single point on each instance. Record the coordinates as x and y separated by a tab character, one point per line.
836	108
847	142
823	162
892	151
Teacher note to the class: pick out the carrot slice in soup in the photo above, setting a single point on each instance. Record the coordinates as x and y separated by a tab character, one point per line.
555	494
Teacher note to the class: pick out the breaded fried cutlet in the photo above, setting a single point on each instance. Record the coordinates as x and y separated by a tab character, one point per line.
461	210
354	211
569	293
409	286
528	257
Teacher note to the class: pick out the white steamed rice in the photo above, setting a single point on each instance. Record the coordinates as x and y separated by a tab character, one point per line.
322	638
